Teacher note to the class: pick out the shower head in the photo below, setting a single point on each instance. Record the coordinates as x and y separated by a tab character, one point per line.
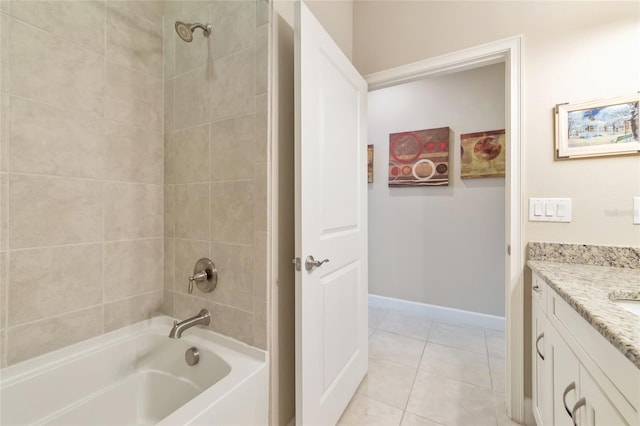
185	31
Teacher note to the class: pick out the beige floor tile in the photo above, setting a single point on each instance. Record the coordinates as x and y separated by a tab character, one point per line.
458	336
451	402
406	325
376	315
396	348
495	343
466	366
363	411
497	366
410	419
388	382
371	330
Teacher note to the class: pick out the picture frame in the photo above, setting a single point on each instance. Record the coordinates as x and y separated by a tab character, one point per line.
597	127
370	163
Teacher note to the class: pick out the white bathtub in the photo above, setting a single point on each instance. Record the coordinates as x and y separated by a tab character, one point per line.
138	376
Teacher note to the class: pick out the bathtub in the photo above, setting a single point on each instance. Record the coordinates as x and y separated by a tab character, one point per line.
138	376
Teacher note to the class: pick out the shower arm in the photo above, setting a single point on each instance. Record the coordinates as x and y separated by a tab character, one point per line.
205	28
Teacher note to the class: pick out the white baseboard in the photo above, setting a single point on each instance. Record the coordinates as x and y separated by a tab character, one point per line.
441	313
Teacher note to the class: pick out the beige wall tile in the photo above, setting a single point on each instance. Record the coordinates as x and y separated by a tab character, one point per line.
232	148
65	279
151	10
260	214
132	211
233	26
54	141
47	211
262	59
192	211
129	311
3	343
187	155
169	211
27	341
167	303
133	97
133	154
260	322
4	6
132	268
233	322
52	70
5	38
169	40
198	52
262	12
191	98
4	131
132	41
168	107
262	123
81	22
187	253
232	212
260	271
235	275
185	306
169	263
4	211
4	277
232	86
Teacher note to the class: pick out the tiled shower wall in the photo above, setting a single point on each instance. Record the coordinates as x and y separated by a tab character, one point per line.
216	163
81	171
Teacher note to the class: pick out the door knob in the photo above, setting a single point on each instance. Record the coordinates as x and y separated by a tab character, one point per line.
310	263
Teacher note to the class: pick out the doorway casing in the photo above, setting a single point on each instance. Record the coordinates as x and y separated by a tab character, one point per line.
509	52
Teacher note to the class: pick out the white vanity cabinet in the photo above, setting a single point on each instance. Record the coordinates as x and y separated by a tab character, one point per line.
579	378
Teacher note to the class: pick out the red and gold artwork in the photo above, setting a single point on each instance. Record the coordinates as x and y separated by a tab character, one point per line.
419	158
482	154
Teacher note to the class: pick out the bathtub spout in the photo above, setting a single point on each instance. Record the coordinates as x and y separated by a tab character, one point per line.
203	317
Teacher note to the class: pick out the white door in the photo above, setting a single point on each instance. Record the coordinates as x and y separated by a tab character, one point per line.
331	223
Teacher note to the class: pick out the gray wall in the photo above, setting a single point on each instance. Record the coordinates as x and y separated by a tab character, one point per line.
439	245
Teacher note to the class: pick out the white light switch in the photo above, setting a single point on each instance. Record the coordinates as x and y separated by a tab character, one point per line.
636	210
550	209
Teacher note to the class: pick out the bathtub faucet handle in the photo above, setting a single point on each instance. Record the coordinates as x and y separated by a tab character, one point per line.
200	276
205	275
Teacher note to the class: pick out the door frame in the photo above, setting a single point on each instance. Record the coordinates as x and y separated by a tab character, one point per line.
509	51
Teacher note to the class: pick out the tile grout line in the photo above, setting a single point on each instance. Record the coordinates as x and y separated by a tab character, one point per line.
104	149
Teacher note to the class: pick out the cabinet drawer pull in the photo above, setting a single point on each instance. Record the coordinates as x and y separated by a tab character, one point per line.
538	349
569	388
581	403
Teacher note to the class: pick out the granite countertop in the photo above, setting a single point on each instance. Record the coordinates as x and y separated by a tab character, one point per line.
586	289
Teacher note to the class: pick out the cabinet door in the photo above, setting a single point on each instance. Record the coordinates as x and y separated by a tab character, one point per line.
599	410
540	374
565	371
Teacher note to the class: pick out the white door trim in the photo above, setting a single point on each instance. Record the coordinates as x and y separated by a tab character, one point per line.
509	51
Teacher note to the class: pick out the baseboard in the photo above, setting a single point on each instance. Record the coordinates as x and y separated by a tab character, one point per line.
441	313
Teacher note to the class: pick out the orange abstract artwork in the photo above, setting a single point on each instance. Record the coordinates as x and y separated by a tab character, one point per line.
419	158
482	154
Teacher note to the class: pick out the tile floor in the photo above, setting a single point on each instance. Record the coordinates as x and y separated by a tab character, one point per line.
428	372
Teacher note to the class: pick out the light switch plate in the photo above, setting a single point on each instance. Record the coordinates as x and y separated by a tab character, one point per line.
636	210
550	209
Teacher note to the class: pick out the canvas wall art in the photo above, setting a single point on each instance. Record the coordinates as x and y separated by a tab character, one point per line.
419	158
369	163
482	154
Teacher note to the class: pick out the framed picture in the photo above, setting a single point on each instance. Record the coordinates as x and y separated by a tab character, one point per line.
419	158
369	163
596	128
482	154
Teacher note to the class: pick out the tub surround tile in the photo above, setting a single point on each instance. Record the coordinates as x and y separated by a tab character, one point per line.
186	255
36	338
134	42
262	133
232	205
581	286
54	71
186	306
260	322
583	254
260	270
169	263
124	312
187	156
260	197
232	86
192	211
232	322
191	98
4	211
150	10
167	303
53	141
48	211
169	211
73	281
132	211
262	59
189	56
133	154
4	289
131	268
233	26
133	97
169	126
388	382
262	12
4	121
366	411
232	148
235	275
169	42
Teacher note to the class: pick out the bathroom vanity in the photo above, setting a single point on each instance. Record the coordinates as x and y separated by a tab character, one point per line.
585	344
